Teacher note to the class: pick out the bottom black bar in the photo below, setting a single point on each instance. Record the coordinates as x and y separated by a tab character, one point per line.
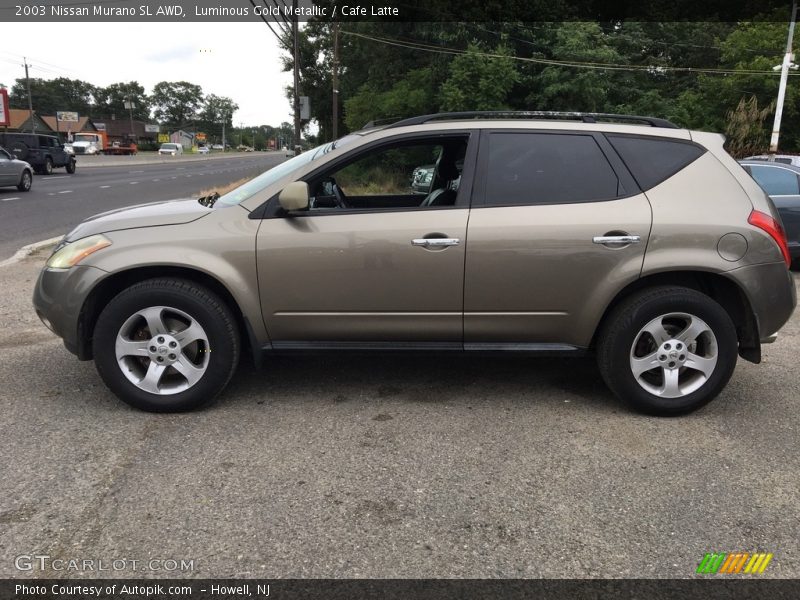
390	589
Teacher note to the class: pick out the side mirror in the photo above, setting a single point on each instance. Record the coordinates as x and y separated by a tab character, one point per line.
294	196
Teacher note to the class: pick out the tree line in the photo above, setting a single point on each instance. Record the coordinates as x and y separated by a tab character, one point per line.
174	104
714	76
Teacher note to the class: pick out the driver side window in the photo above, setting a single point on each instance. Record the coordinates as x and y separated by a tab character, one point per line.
419	173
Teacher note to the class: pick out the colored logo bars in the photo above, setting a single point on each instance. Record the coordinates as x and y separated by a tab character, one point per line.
734	562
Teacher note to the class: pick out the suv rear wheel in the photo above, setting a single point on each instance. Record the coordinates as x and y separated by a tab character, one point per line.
48	166
667	350
153	345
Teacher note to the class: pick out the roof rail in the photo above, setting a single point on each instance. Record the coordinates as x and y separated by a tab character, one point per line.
586	117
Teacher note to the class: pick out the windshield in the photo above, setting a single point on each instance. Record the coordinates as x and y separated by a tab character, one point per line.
84	138
267	178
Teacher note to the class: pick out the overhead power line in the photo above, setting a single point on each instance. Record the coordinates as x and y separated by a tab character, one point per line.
413	45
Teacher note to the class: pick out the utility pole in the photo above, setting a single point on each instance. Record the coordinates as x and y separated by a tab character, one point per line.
787	61
30	101
296	98
335	94
129	103
224	118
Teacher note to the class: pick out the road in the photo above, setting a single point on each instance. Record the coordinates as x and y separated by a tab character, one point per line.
56	203
392	467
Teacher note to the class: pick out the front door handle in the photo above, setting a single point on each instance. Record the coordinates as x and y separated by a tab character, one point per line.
435	242
616	240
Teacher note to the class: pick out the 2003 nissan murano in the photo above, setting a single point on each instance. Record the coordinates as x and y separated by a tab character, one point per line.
624	236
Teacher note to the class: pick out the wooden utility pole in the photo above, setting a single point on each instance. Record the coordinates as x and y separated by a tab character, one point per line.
335	95
30	101
296	99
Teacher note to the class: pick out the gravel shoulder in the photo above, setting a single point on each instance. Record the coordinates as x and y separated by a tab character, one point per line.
387	466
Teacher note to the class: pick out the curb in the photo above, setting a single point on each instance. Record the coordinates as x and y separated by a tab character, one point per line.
165	161
26	251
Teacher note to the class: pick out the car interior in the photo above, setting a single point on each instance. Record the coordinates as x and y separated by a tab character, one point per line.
383	179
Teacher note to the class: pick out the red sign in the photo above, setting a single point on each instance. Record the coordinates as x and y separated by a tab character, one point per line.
5	118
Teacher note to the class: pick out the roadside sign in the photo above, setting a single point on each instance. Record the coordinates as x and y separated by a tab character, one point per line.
163	137
5	118
152	128
201	137
305	108
67	116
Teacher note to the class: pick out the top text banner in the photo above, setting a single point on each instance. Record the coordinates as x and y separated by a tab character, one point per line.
83	11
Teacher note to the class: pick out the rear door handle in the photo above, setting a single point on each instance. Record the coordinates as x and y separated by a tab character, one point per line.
435	242
616	240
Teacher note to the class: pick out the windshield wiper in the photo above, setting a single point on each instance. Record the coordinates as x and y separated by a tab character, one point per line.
209	200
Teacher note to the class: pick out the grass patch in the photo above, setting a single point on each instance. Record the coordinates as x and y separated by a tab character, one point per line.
224	189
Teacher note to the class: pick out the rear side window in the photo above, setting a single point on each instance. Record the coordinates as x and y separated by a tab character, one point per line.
547	168
776	181
653	160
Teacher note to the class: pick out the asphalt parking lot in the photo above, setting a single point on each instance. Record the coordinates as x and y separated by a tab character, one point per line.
387	466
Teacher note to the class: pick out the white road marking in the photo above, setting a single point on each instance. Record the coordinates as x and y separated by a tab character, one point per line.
51	178
102	187
156	180
10	199
133	182
66	192
135	171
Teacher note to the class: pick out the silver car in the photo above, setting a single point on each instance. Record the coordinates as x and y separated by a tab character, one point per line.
15	172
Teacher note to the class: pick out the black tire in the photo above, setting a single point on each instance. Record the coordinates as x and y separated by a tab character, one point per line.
623	326
25	181
48	166
213	315
71	166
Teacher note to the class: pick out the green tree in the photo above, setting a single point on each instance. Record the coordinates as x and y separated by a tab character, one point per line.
479	82
111	99
215	110
51	95
176	104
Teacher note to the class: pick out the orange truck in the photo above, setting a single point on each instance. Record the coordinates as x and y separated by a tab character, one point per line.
96	142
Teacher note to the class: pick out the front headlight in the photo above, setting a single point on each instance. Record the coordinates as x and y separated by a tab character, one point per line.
74	252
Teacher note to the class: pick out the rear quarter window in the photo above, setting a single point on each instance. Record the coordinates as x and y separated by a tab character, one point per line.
652	160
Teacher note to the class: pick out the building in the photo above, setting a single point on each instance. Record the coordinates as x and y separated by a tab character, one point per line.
21	121
120	130
184	138
65	128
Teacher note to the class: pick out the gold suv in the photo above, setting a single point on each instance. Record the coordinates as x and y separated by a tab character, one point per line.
568	233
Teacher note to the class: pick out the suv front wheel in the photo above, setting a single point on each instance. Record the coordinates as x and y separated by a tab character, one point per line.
667	350
166	345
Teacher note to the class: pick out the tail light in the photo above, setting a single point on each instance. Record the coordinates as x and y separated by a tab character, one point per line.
774	228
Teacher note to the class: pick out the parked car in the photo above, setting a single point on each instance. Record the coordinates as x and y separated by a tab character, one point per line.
622	236
203	150
170	149
422	178
43	152
782	182
15	172
787	159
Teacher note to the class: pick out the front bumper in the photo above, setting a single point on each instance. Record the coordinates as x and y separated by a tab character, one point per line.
58	298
